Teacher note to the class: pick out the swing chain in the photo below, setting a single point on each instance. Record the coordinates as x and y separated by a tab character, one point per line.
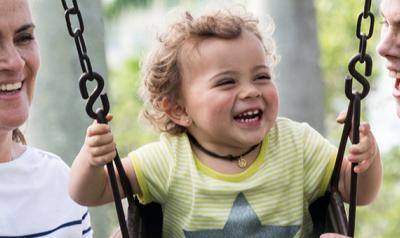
352	121
361	35
362	56
84	60
100	115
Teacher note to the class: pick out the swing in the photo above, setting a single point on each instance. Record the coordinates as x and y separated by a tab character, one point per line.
333	218
328	212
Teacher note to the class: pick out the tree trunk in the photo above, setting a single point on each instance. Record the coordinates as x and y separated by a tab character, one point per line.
298	74
58	120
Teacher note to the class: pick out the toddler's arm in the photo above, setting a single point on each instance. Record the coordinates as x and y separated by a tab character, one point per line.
369	168
333	235
89	182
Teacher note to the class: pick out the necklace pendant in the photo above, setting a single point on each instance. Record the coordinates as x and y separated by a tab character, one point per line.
242	163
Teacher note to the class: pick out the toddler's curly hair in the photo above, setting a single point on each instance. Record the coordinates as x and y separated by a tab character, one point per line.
162	74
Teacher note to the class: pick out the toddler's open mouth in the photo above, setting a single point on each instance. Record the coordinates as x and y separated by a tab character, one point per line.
249	116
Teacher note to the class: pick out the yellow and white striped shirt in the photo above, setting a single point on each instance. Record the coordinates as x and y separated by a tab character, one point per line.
270	197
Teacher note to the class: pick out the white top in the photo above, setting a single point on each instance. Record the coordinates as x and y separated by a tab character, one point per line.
34	199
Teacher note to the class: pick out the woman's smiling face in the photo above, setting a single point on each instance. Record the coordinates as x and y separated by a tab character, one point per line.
19	63
389	45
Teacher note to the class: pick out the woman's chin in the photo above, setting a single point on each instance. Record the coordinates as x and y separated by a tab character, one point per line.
13	121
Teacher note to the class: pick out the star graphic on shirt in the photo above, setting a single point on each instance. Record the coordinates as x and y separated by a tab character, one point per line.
243	222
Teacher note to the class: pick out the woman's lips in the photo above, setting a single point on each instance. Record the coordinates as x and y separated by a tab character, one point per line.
10	91
396	89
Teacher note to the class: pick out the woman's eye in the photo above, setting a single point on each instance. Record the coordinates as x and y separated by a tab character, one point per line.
24	39
383	22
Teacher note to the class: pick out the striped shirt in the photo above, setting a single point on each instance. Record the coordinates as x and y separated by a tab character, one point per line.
271	196
34	199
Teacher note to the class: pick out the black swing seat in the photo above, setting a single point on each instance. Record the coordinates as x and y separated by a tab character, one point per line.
327	212
144	221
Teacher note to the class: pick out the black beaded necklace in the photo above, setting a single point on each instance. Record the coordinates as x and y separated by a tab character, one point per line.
242	163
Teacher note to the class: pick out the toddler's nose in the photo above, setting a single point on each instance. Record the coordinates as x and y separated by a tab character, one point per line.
250	91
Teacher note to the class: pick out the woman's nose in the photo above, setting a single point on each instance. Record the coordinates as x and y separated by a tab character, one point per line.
387	43
10	58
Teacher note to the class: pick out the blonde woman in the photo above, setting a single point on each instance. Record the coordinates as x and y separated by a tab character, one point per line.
34	200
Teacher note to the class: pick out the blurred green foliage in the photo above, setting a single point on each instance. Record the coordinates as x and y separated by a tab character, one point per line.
337	21
114	8
129	130
338	44
381	219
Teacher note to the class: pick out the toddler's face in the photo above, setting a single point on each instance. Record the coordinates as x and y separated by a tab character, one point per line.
227	92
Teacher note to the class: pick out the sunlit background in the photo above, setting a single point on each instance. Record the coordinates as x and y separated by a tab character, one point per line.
315	39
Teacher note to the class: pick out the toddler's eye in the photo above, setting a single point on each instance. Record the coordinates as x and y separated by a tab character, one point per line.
226	81
263	77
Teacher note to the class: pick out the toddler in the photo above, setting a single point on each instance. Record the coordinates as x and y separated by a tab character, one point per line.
225	165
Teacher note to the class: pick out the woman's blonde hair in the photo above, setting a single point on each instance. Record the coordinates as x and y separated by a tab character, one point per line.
18	137
161	72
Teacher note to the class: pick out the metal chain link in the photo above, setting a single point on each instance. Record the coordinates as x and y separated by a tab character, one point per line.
362	56
361	35
89	75
352	121
84	60
355	100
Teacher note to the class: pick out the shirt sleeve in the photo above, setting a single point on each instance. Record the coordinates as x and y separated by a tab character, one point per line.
320	156
153	164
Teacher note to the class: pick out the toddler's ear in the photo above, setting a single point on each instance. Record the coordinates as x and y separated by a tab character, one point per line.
177	113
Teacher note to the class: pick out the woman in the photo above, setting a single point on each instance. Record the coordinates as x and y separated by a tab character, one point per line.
389	45
34	199
389	49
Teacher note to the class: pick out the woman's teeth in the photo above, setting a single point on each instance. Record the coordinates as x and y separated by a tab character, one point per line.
10	87
394	74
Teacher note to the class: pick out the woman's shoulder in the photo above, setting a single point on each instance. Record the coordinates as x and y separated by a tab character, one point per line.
42	153
43	157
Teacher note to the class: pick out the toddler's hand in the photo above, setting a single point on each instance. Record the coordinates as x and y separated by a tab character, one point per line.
365	151
99	144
